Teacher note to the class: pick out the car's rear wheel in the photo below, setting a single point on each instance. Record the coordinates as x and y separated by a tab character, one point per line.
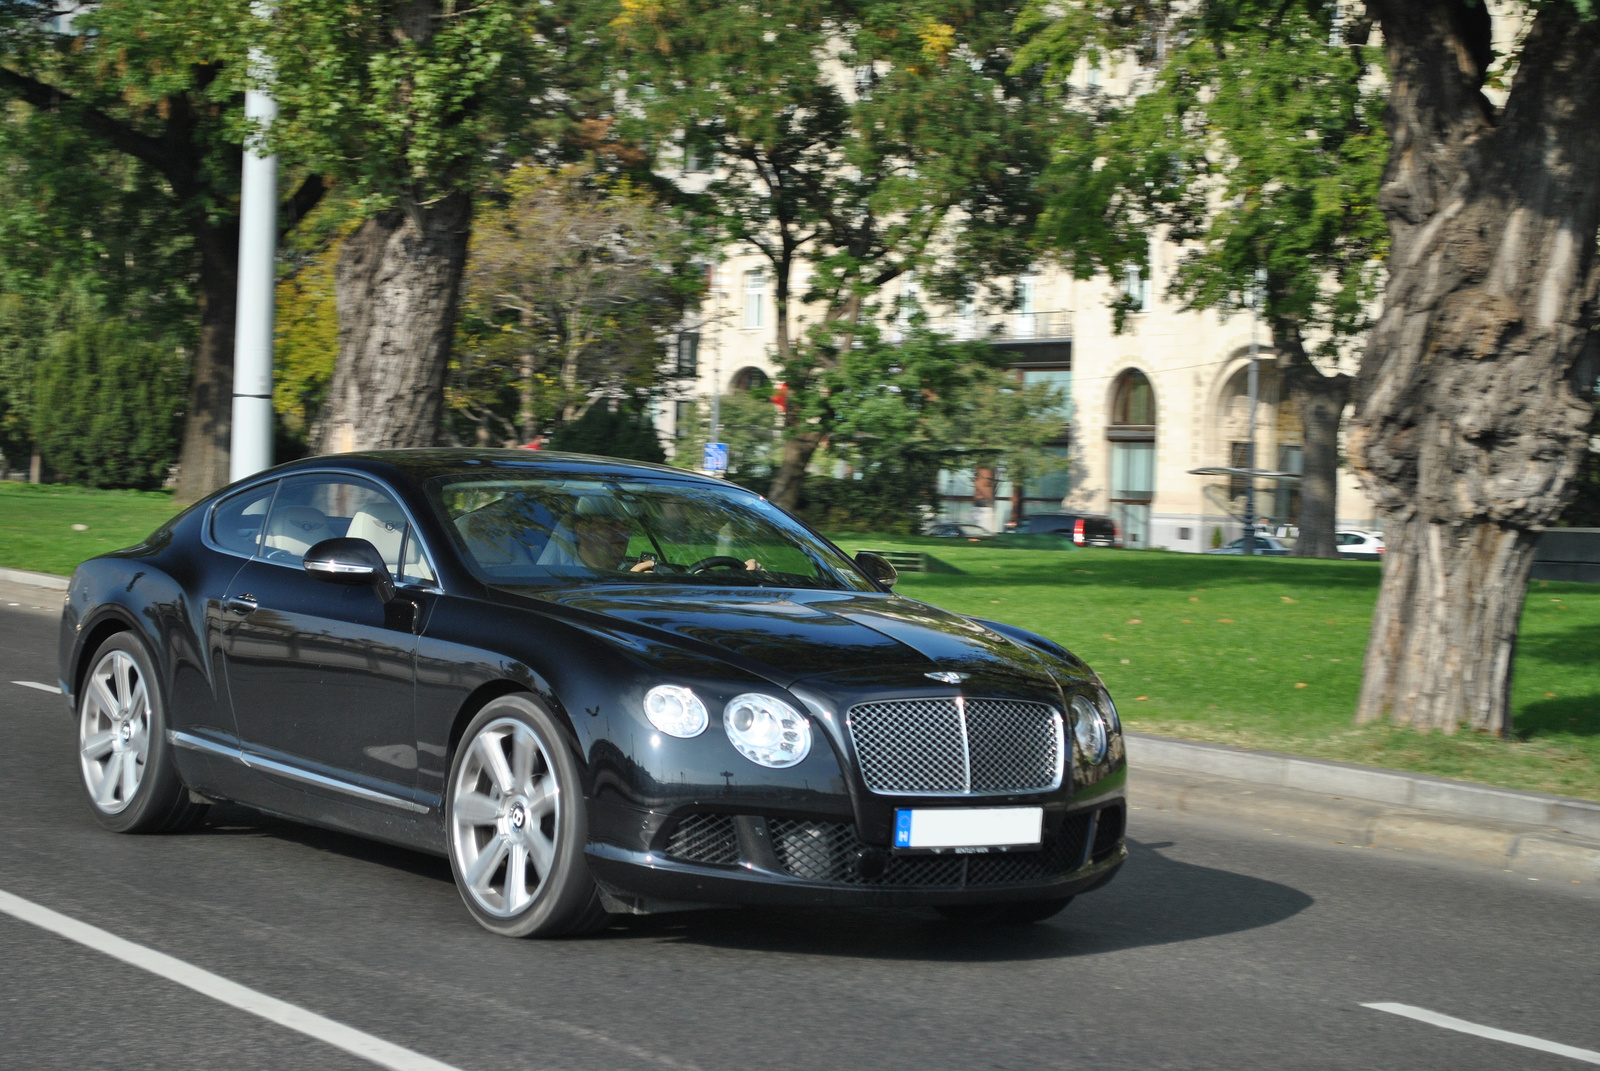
126	761
516	823
1004	914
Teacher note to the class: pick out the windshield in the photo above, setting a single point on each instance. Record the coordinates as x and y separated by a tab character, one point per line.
543	530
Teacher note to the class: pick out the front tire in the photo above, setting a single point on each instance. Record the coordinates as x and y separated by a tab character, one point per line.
517	825
126	761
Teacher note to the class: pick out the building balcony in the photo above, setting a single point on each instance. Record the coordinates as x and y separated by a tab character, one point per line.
1053	325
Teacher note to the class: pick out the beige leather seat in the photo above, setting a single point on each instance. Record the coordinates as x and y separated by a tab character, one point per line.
295	530
384	526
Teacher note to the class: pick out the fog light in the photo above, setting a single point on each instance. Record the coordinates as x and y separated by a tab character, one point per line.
1089	729
766	730
676	710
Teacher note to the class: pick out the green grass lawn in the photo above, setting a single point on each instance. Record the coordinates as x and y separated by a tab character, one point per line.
1267	653
1260	654
37	523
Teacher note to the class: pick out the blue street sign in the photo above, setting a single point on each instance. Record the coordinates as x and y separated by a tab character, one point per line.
715	458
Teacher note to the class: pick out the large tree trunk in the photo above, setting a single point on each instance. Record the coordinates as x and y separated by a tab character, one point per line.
1321	400
397	284
1468	427
790	477
203	465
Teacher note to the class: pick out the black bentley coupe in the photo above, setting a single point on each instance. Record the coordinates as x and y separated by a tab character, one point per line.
595	686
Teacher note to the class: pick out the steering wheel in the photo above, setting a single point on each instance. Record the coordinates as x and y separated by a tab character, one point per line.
717	561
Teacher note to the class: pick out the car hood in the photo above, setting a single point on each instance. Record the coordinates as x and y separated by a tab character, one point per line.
789	635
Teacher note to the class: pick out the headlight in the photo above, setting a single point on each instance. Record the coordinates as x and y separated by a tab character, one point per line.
1109	709
675	710
767	730
1089	729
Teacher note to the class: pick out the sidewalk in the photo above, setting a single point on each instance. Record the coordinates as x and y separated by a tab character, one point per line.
24	590
1528	833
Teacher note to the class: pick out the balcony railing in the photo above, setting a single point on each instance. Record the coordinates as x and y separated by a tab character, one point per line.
1007	326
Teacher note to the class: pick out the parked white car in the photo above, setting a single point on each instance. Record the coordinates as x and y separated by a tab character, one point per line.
1358	545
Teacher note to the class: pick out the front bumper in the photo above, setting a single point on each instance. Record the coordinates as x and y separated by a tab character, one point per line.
750	859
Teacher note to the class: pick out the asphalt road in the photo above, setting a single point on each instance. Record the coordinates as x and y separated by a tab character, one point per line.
1217	947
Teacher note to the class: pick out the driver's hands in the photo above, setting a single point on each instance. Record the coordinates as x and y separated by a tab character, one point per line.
752	566
645	566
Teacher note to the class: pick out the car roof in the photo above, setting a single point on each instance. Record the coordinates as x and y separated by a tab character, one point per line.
423	464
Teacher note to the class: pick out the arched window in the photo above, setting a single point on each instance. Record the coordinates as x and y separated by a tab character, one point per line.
1133	457
747	379
1135	402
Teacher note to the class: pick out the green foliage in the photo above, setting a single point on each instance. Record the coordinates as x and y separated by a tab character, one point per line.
107	402
398	100
748	422
574	281
866	141
904	410
1259	144
1216	538
626	432
88	237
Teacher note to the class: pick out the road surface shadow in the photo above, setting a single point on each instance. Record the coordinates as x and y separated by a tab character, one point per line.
1154	900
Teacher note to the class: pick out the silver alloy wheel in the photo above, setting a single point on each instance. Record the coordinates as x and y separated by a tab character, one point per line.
505	810
114	731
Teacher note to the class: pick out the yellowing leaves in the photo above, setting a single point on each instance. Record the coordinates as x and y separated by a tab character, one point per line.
937	38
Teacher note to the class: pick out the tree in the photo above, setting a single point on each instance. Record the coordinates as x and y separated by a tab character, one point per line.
864	141
1471	418
403	103
576	278
624	430
159	81
1256	144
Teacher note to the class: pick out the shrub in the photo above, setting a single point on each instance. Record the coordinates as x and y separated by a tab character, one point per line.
107	405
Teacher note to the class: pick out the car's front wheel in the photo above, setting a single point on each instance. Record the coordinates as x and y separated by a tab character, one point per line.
516	823
126	761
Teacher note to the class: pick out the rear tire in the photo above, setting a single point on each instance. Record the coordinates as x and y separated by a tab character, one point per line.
516	824
1022	914
126	763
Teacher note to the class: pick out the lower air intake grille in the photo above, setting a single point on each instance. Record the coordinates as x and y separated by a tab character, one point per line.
1108	831
831	852
958	746
705	838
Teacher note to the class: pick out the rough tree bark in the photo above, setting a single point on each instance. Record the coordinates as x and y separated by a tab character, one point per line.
208	422
1321	400
1468	428
397	285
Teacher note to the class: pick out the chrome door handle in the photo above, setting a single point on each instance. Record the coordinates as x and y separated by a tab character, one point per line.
240	604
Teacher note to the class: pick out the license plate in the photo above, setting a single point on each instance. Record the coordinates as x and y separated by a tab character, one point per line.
968	827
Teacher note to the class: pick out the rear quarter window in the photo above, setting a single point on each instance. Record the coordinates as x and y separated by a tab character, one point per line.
236	521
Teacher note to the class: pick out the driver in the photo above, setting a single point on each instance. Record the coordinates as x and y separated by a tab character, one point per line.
601	534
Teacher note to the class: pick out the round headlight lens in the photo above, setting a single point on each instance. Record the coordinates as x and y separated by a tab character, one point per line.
1109	709
766	730
1089	729
676	710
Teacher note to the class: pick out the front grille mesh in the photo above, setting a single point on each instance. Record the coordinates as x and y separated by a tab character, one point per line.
705	838
957	746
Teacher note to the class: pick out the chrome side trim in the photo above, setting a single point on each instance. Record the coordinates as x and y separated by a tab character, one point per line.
295	773
201	744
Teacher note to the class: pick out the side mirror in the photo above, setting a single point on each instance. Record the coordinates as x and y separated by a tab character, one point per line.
877	567
350	561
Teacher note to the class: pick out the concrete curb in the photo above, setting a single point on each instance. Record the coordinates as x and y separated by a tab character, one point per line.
1535	850
34	580
1437	795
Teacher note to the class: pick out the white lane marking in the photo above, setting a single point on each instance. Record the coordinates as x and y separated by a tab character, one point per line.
41	687
1527	1041
357	1043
